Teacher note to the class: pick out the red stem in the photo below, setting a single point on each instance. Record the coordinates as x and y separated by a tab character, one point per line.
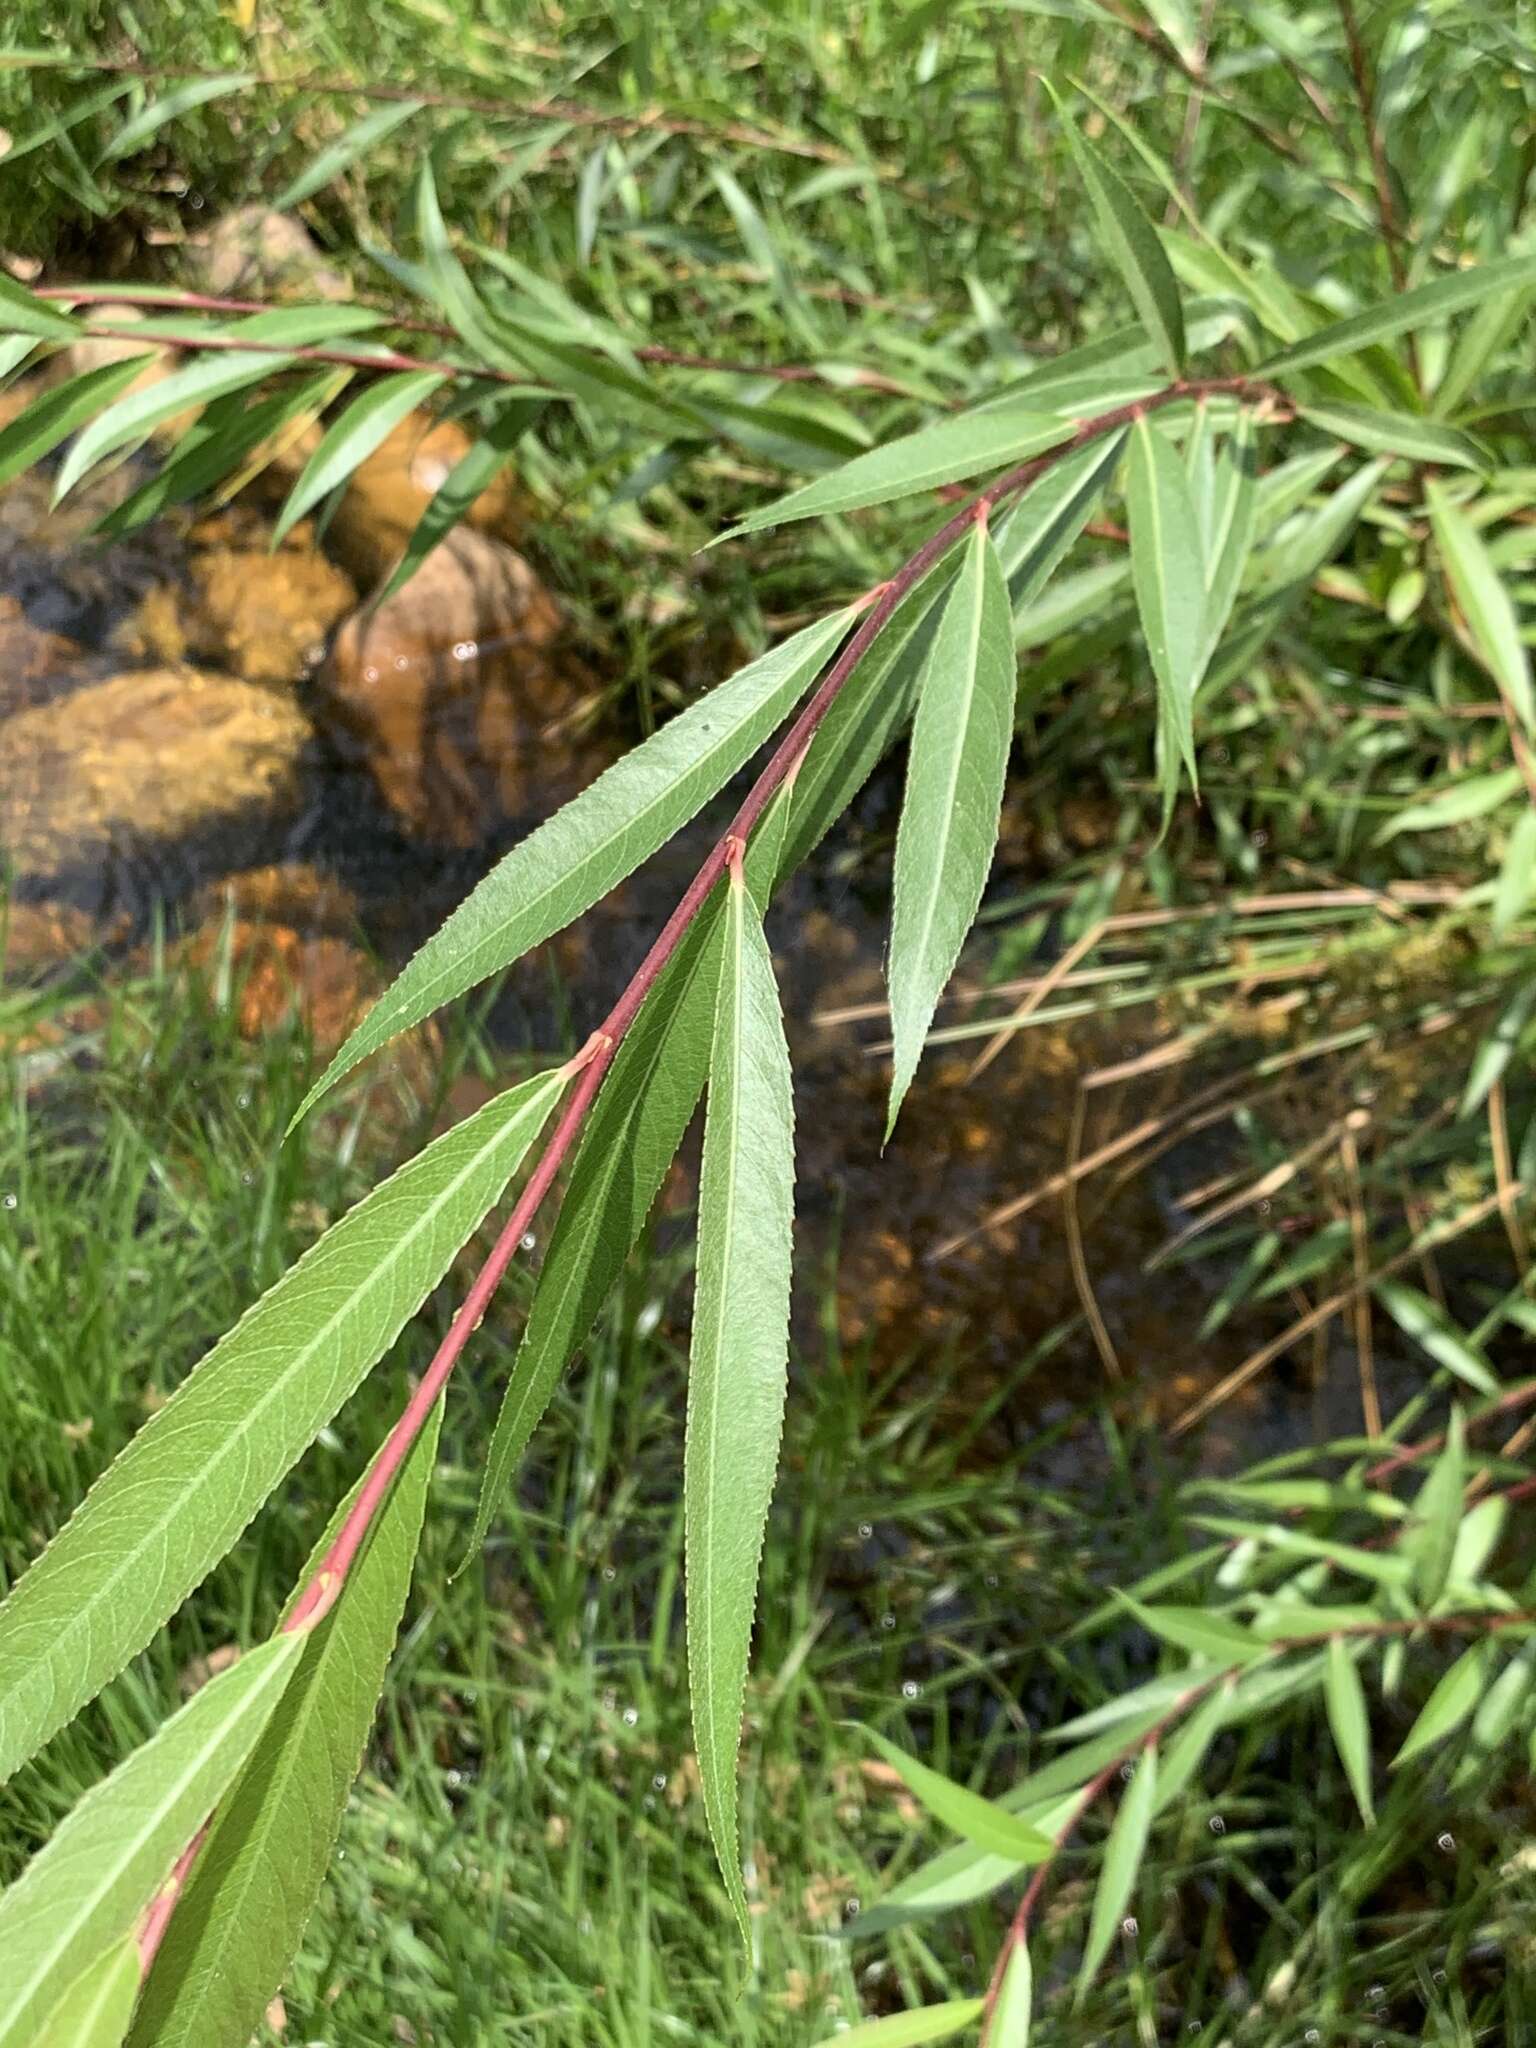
592	1063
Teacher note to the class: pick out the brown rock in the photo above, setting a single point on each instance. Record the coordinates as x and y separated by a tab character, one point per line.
255	253
31	658
266	616
290	892
115	774
95	351
37	936
393	487
452	691
279	973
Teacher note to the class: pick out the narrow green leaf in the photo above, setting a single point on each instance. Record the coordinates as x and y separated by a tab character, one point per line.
1304	544
631	1137
178	1496
1122	1859
21	312
1131	243
1490	330
1437	1512
588	848
913	2029
949	816
352	437
473	473
982	1821
239	1922
56	414
1496	1050
1428	1324
1032	539
1230	530
170	106
1474	796
1347	1717
96	2009
1168	571
1015	2001
1215	1637
359	139
1517	875
947	452
1448	1705
87	1889
736	1371
1501	1706
1484	602
1405	435
1418	308
1187	1751
1385	1568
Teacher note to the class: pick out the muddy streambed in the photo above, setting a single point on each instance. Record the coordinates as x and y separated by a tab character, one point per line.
199	730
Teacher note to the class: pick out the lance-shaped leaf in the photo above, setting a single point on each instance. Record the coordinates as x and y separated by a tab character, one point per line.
1345	1697
1168	571
1015	2001
1517	875
1428	304
1131	243
737	1363
1391	433
1032	540
945	453
361	137
1485	603
352	437
169	1508
1228	530
170	106
88	1888
631	1137
914	2029
1216	1638
473	473
96	2009
982	1821
1122	1859
1437	1512
588	848
1457	1693
239	1921
57	413
21	312
949	816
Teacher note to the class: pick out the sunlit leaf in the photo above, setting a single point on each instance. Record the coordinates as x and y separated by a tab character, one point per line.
1428	1324
949	819
1517	875
108	1858
1188	1749
473	473
982	1821
945	453
238	1924
1401	434
1437	1512
1484	602
1474	796
1215	1637
1015	2001
352	437
1494	1053
21	312
913	2029
1122	1859
1347	1717
1032	539
94	2012
178	1496
736	1370
588	848
56	413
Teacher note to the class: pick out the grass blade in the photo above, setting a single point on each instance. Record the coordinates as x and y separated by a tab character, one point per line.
170	106
179	1495
588	848
736	1373
357	141
1484	602
88	1888
949	814
913	2029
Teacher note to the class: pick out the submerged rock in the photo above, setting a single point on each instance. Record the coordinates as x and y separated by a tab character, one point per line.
453	691
391	489
32	658
266	616
277	973
101	788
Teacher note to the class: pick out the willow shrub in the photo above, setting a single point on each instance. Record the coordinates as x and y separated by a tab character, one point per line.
1245	436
